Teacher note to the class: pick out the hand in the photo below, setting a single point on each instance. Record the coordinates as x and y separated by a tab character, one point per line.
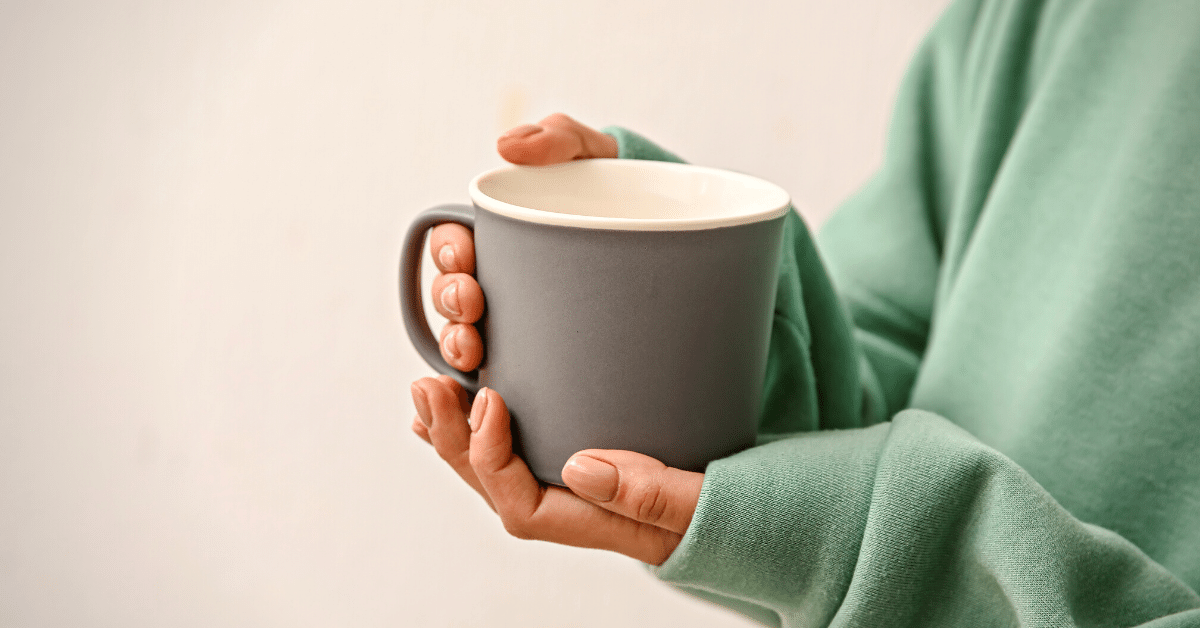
556	139
618	500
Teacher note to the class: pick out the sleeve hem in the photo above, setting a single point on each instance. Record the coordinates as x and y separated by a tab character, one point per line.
781	525
630	145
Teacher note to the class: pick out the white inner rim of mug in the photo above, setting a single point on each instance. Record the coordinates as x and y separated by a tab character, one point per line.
628	194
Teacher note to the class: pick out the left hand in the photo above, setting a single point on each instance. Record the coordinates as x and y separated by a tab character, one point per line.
618	500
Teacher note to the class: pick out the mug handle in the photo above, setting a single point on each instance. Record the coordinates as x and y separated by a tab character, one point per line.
411	306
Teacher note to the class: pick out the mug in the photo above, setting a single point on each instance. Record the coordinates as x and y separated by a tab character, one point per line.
628	305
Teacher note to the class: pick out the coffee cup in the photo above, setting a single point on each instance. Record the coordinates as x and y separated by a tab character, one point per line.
628	305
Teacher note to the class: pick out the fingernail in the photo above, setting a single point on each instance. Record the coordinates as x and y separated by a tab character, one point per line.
450	298
592	478
525	130
446	256
477	410
422	403
450	344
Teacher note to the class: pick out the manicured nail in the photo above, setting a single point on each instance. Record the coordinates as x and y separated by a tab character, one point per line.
446	257
592	478
450	298
422	403
450	344
525	130
477	410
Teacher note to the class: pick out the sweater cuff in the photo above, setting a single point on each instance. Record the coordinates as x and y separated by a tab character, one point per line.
781	525
630	145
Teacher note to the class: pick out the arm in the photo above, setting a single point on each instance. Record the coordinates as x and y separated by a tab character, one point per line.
911	522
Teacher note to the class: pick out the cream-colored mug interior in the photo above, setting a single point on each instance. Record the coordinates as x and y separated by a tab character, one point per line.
628	194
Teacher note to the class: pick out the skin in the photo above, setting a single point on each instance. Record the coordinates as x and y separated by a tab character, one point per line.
620	501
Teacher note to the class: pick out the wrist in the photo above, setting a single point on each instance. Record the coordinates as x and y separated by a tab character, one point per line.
599	145
630	145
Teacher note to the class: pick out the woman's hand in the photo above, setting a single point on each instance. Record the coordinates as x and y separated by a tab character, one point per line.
556	139
619	500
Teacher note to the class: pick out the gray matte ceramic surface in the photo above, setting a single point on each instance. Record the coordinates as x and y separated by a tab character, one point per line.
651	341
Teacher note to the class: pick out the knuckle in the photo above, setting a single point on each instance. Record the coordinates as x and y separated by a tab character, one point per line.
457	461
443	451
442	442
518	527
557	117
450	384
484	460
649	501
665	547
489	459
479	459
460	460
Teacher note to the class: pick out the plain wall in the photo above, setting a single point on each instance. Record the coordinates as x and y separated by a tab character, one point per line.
204	407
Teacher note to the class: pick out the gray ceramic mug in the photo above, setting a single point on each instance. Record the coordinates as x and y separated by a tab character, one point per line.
628	305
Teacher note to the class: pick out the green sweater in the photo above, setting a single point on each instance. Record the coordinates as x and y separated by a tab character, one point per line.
994	420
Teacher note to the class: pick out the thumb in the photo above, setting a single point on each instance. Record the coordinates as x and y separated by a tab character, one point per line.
635	486
557	139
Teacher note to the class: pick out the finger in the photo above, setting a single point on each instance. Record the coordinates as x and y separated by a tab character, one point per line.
418	428
538	145
558	138
563	517
635	486
462	346
458	297
464	403
439	407
453	248
595	144
532	511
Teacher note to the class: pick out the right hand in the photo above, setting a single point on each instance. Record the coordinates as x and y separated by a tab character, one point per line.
556	139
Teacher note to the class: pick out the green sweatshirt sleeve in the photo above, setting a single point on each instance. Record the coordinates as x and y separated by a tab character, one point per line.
910	521
630	145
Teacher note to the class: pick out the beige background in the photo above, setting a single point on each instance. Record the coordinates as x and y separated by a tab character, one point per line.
203	380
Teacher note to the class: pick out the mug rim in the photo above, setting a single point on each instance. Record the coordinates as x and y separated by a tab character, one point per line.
778	205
